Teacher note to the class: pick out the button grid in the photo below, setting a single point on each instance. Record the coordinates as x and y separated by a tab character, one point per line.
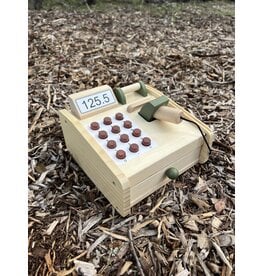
121	138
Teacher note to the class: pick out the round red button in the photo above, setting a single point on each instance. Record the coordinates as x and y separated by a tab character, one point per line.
136	132
107	121
146	141
94	126
119	116
102	134
127	124
111	144
134	147
120	154
124	138
115	129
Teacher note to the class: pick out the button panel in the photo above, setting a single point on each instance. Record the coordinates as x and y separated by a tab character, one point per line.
121	137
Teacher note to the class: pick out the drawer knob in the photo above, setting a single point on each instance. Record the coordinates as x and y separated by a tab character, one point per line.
172	173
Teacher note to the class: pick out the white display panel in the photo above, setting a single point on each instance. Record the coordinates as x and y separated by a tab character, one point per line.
94	101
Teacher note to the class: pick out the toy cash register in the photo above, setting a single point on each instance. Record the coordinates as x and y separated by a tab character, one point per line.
132	140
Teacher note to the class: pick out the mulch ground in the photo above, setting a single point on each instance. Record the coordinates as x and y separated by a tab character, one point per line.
184	228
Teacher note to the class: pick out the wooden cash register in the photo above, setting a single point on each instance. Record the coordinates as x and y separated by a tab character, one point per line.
131	141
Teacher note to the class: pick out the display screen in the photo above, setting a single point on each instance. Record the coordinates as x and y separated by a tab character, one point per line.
94	101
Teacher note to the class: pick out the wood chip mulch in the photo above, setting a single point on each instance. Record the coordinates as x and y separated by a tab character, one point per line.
186	227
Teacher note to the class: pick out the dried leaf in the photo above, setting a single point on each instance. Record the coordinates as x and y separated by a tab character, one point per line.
202	240
138	226
116	236
87	225
214	267
161	258
51	227
125	267
226	240
184	272
65	272
157	205
201	185
216	222
190	223
221	255
49	262
199	202
220	205
86	269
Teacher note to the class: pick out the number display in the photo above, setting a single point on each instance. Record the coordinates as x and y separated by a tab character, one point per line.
95	101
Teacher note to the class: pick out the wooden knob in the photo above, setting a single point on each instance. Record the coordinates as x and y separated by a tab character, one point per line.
169	114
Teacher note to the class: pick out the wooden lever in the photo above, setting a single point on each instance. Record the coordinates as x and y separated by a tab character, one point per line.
169	114
138	103
158	109
138	87
131	88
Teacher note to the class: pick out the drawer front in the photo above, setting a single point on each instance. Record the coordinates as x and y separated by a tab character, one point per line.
156	181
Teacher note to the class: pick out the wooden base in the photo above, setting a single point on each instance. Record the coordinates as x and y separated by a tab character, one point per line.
124	185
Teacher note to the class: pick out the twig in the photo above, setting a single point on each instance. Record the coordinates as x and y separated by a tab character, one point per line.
104	236
37	116
88	7
134	252
31	177
220	82
157	205
77	257
151	255
201	262
116	236
68	223
222	255
205	55
49	96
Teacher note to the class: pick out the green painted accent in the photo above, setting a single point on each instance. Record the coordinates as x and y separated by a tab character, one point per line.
172	173
120	95
142	91
148	110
